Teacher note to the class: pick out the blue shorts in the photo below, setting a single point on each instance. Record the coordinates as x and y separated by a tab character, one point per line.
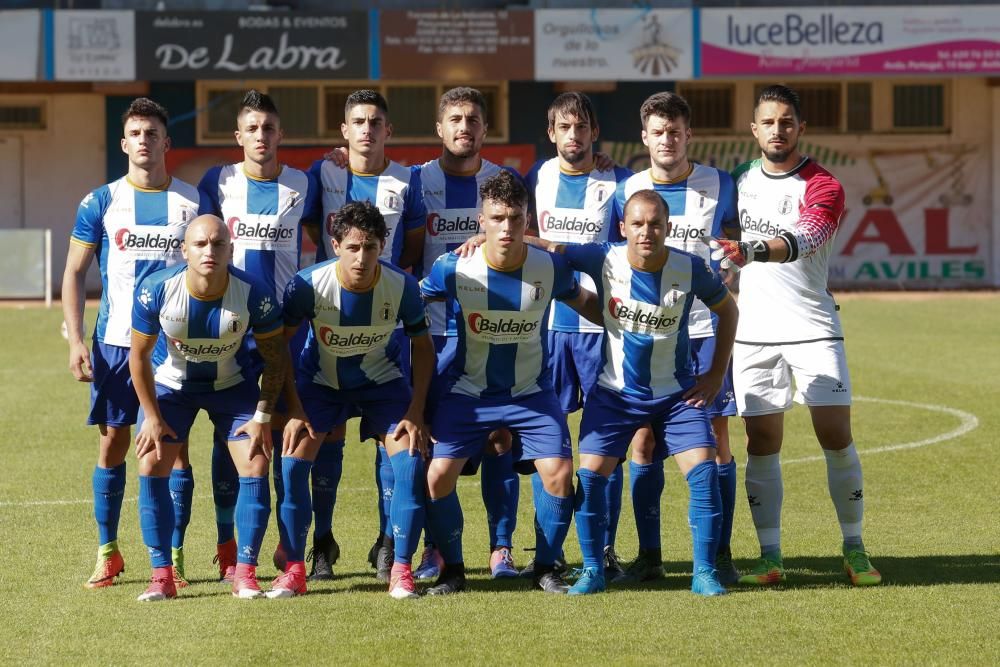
112	397
724	404
536	422
227	408
575	362
380	407
610	420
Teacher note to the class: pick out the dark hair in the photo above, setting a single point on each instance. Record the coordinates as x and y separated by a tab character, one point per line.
460	95
361	215
365	96
572	104
505	188
782	94
666	105
254	100
650	197
143	107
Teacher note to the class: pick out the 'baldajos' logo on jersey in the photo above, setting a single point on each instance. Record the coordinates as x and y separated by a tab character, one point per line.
763	227
506	325
126	239
636	315
259	232
438	224
548	223
331	338
682	233
203	349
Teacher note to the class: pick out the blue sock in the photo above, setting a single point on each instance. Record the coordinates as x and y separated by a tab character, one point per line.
296	507
704	512
501	492
109	489
253	509
727	491
407	511
182	494
444	516
613	496
279	490
326	472
385	480
553	514
647	488
225	488
591	514
156	518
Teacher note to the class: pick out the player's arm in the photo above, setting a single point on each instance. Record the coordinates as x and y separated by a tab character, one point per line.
707	386
413	220
586	303
78	260
819	217
413	248
154	429
272	349
298	304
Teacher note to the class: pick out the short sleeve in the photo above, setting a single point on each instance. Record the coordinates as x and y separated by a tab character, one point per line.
587	258
208	189
564	283
299	301
89	226
706	283
411	308
435	284
146	307
531	182
313	211
265	313
618	212
414	210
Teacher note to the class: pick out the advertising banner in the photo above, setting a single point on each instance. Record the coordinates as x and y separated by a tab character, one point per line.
614	44
20	39
96	45
456	45
918	209
952	39
182	46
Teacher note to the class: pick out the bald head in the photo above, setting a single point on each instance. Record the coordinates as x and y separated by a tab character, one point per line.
207	246
206	223
648	198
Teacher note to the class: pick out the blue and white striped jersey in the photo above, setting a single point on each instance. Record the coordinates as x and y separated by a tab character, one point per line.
502	320
134	232
350	343
264	217
700	204
395	191
205	338
646	349
452	202
574	207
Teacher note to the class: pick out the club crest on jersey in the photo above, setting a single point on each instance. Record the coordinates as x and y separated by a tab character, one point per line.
785	205
234	325
386	311
672	297
392	201
291	202
701	198
537	291
600	192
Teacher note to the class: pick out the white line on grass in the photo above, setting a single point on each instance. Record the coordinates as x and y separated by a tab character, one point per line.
969	422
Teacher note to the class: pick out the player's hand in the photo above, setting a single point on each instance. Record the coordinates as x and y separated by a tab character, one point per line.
603	161
293	428
704	391
414	428
151	437
468	249
338	156
737	254
260	439
79	362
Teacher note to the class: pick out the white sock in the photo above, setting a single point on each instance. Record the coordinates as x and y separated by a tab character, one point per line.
843	475
765	493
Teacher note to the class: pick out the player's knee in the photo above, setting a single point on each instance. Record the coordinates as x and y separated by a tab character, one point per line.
115	443
643	445
764	434
440	482
832	425
557	476
499	443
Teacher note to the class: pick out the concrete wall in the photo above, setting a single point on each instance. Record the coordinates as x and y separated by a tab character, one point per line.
60	165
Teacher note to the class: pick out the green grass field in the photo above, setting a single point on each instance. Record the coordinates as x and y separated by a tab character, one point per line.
931	525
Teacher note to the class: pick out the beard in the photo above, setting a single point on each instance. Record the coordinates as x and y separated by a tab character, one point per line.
463	153
573	156
778	155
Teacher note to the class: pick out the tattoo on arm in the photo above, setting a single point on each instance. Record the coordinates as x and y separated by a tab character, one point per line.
272	351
